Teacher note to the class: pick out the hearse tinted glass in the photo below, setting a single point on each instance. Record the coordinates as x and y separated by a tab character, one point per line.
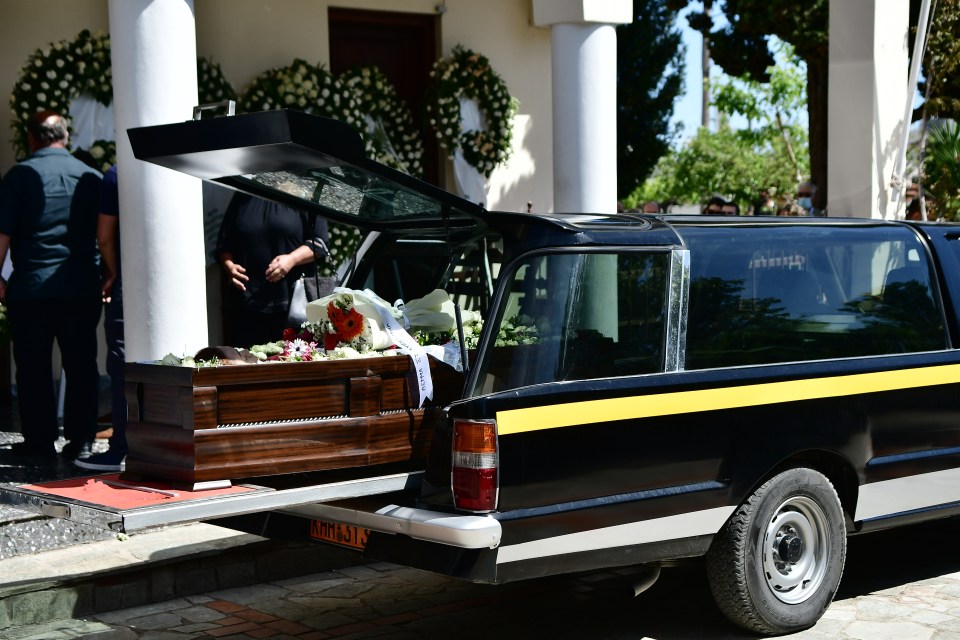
411	267
764	295
349	191
575	316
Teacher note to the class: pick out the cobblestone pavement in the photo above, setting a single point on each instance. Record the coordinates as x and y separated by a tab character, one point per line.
898	585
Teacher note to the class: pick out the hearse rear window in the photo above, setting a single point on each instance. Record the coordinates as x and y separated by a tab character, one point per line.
575	316
411	267
760	295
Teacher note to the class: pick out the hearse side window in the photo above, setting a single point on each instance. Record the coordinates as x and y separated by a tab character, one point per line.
574	316
764	295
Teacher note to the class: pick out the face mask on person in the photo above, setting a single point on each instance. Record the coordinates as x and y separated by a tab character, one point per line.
805	202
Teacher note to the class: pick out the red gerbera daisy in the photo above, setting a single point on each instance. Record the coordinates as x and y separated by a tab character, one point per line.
347	322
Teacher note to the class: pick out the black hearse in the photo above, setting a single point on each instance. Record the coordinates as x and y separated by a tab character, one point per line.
646	388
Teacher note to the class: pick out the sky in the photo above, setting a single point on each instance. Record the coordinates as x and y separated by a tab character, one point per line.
687	108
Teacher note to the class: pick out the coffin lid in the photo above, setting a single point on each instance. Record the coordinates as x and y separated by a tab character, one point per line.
305	161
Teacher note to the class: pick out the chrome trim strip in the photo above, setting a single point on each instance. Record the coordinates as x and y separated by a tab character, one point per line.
682	525
678	292
889	497
466	532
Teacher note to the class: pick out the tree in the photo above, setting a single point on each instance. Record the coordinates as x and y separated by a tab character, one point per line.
650	64
942	170
741	48
941	65
770	153
726	162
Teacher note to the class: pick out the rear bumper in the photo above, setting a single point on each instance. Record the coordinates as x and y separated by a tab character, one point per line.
465	532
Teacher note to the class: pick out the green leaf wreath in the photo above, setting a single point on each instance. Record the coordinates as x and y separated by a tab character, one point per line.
467	74
53	76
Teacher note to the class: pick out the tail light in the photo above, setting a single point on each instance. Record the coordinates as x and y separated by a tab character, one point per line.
475	462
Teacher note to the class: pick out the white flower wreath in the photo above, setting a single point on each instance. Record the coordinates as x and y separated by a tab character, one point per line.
356	98
311	88
469	75
388	120
52	77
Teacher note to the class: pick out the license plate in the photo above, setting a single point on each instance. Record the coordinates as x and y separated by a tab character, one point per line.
345	535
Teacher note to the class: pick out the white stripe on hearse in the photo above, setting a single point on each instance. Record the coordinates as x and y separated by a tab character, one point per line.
684	525
909	493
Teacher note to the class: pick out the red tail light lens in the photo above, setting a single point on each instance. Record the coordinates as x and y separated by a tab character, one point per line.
475	461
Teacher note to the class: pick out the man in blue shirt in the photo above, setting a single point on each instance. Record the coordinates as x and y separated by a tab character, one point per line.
48	222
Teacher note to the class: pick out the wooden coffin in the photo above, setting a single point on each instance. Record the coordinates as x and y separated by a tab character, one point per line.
200	426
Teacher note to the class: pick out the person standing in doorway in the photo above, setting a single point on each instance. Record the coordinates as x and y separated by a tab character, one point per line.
108	238
48	219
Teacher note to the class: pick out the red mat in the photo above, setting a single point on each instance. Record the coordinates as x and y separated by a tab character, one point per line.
109	491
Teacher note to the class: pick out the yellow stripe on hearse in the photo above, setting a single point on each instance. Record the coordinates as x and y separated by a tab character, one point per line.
666	404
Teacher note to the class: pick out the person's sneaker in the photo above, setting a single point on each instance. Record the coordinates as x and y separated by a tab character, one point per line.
106	461
77	450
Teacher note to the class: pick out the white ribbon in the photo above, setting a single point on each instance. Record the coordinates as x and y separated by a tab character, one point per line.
406	344
472	184
91	121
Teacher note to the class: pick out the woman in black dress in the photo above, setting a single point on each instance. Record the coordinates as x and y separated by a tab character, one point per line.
264	247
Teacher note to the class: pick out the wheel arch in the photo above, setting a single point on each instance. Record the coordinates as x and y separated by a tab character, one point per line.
838	470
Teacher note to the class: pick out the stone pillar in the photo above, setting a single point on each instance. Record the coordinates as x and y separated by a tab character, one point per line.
868	91
154	60
584	79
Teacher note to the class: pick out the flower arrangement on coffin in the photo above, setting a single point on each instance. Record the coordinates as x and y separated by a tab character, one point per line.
358	324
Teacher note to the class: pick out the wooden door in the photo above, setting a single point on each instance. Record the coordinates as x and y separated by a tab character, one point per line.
404	47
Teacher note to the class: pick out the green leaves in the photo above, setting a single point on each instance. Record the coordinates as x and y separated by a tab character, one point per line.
942	169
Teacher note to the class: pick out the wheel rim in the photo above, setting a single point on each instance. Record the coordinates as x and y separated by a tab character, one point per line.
796	550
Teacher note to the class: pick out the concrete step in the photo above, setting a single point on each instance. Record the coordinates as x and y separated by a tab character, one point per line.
150	567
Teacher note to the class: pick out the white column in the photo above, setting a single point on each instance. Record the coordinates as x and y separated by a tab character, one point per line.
584	79
867	94
154	60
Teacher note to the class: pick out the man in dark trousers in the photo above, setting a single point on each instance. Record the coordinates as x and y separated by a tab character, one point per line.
108	238
48	222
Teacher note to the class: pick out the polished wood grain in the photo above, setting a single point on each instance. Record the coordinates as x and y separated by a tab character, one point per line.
245	421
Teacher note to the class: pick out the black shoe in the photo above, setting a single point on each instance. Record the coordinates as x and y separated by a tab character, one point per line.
106	461
30	451
77	450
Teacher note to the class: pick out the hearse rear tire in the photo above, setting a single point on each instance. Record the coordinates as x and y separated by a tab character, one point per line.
775	566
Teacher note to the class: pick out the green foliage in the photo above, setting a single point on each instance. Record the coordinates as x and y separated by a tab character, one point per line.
741	47
650	65
727	162
941	68
770	152
942	170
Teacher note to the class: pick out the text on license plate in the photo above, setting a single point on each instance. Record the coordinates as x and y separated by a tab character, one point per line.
343	534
